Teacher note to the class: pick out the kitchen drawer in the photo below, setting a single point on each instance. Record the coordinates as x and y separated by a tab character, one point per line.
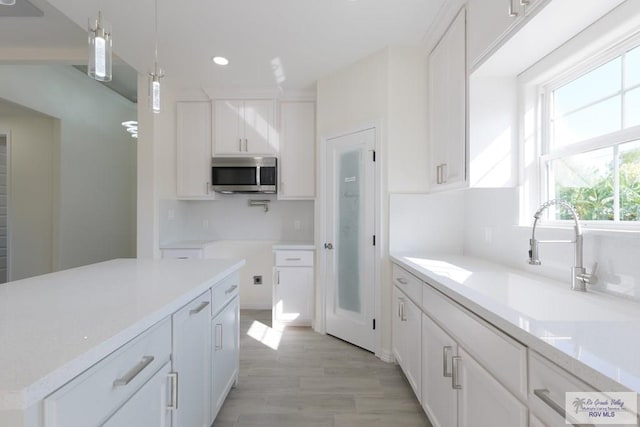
555	381
183	253
294	258
224	292
502	356
95	394
407	283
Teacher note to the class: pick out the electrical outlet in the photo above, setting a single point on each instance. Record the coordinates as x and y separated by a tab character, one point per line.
257	280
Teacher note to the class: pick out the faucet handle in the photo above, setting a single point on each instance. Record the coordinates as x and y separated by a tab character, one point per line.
584	278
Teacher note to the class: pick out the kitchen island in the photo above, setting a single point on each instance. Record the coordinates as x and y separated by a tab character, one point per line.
59	327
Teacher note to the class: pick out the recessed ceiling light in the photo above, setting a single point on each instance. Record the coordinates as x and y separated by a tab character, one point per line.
220	60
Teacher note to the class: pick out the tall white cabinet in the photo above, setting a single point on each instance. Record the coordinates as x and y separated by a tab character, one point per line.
447	76
193	150
297	165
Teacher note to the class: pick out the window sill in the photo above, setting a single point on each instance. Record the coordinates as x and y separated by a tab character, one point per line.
589	229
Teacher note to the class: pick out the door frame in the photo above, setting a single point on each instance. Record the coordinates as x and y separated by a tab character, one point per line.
320	324
7	134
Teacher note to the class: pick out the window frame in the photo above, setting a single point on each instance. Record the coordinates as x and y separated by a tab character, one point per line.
611	140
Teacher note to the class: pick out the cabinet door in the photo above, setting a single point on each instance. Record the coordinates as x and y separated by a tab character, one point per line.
447	107
228	127
297	148
225	330
260	137
293	295
412	327
483	401
149	406
397	335
192	362
439	399
488	21
194	150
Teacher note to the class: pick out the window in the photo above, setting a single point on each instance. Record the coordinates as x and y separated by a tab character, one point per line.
591	138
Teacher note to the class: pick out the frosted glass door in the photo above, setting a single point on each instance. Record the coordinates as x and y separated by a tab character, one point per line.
350	225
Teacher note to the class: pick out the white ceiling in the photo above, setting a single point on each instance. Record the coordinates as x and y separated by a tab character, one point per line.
272	44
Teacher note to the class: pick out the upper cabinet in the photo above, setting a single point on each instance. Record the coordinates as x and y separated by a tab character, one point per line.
296	167
244	127
448	108
194	150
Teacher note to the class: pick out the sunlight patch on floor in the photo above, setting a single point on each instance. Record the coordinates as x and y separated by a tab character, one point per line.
264	334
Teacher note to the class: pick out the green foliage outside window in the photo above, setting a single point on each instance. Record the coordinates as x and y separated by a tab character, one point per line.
596	202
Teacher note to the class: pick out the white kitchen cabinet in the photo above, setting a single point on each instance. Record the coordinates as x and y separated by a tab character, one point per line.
488	21
483	401
297	148
447	75
149	407
439	398
244	127
191	356
406	346
193	146
225	327
293	288
93	396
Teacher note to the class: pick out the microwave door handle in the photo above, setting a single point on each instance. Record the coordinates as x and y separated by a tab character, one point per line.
258	176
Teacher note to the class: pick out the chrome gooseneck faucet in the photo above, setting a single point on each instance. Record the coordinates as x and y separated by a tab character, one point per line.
579	276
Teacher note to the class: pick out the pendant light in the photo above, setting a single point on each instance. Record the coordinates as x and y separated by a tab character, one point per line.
7	2
100	49
157	74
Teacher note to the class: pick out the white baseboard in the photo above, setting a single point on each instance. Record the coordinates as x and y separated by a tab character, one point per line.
386	356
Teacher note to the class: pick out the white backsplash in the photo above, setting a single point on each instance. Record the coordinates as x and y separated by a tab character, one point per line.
230	217
490	231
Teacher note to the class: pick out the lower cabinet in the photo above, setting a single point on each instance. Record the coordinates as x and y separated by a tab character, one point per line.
225	330
406	326
191	356
293	288
482	400
150	405
439	397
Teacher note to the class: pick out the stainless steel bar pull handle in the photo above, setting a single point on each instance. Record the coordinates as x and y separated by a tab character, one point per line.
511	12
293	259
446	354
134	372
455	383
218	336
403	316
231	289
443	173
402	281
545	395
199	308
239	144
173	376
524	2
246	144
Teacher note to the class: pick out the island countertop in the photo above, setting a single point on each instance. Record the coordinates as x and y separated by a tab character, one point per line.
55	326
591	334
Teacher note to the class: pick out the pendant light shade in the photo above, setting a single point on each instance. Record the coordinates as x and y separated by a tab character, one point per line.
100	49
154	89
7	2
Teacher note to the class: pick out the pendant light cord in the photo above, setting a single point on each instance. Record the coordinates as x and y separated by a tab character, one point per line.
156	37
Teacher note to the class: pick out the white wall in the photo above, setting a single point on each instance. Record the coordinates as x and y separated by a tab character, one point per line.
387	88
96	168
32	139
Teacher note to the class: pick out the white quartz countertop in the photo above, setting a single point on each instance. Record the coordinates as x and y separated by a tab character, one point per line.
593	335
294	246
55	326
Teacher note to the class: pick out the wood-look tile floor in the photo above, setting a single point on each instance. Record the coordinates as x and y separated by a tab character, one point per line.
312	380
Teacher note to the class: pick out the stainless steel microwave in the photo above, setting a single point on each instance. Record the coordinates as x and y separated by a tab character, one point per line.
244	174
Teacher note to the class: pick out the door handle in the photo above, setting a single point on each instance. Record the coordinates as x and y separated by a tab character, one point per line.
129	376
446	352
328	246
455	373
